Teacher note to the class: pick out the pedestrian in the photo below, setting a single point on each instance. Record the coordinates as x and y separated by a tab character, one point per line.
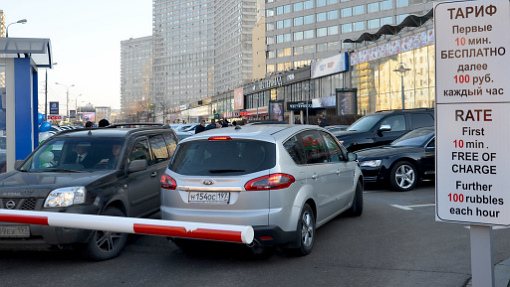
323	122
104	123
234	123
224	123
212	125
89	124
201	127
219	124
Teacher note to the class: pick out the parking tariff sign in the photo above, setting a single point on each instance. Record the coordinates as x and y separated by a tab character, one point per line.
472	112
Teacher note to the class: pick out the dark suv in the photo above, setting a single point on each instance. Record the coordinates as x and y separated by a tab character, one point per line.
383	127
110	171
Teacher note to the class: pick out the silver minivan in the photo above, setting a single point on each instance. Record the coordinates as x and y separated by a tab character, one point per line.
283	180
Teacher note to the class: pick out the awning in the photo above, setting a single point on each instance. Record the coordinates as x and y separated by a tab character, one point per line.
38	49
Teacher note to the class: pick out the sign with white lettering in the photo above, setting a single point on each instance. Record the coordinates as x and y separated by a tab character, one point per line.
472	111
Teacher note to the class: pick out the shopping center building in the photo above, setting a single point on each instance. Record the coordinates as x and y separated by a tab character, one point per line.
392	68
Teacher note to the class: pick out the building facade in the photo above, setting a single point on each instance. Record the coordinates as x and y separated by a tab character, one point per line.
2	23
136	75
201	48
299	32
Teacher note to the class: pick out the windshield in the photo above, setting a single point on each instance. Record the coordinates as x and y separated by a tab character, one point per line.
223	158
75	155
365	123
417	137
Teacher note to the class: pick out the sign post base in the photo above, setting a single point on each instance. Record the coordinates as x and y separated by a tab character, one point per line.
482	263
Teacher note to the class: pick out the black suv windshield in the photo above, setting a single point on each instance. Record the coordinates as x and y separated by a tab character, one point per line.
74	155
220	158
364	124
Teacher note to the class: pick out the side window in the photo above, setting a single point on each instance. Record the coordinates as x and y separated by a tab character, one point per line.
397	123
171	143
335	153
315	149
432	143
158	148
295	150
419	120
141	151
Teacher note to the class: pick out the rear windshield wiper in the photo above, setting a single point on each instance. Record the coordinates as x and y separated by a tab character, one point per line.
225	170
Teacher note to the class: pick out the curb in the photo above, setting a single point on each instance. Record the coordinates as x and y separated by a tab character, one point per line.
501	274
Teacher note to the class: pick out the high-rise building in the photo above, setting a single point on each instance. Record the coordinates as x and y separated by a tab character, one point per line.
300	31
201	48
135	74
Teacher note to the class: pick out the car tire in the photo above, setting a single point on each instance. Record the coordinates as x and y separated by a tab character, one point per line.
104	245
403	176
305	232
357	202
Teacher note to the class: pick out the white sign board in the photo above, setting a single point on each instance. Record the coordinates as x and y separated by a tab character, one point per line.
473	111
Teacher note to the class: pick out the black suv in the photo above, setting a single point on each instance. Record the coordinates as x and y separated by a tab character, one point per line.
110	171
381	128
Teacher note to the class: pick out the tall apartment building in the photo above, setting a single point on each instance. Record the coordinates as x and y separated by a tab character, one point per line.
300	31
135	74
201	48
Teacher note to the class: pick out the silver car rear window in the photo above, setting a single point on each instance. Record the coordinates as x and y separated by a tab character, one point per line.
223	158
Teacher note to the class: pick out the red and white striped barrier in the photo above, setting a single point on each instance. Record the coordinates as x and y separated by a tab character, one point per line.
195	230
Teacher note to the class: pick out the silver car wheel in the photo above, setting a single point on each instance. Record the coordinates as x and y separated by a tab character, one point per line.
405	176
307	230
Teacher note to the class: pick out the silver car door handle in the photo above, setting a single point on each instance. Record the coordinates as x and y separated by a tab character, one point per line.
154	174
315	176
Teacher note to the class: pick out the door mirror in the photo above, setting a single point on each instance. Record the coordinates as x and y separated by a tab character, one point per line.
18	163
137	165
352	156
385	128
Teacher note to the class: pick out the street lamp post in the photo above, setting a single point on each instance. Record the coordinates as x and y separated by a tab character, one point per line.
67	87
22	21
402	70
46	92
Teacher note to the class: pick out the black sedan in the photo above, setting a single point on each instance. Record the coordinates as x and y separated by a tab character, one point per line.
403	163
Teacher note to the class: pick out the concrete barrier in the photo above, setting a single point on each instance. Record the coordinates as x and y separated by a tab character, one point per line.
183	229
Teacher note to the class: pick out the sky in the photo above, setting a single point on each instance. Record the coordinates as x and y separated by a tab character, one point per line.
85	37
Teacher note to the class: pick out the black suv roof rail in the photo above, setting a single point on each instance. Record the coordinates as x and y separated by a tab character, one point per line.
139	125
400	110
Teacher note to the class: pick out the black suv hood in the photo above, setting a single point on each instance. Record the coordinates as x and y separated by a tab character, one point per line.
39	184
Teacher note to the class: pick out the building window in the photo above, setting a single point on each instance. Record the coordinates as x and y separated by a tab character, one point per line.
269	12
270	54
298	51
332	15
346	12
309	49
269	26
298	6
298	21
387	21
347	28
270	40
358	10
331	2
401	18
333	30
322	17
308	34
309	4
373	7
298	36
321	32
321	3
386	5
309	19
402	3
373	24
358	26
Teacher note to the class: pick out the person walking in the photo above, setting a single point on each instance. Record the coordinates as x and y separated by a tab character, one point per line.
323	122
89	124
201	127
212	125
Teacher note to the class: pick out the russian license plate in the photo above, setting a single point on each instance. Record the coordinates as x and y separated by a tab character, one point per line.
209	197
15	231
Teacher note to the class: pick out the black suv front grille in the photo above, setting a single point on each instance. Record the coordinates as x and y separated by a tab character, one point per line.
18	203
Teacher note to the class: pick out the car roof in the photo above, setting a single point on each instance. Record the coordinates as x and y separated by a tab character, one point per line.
268	133
110	131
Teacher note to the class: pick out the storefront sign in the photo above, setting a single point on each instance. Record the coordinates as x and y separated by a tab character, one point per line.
329	66
299	106
270	83
54	108
238	99
324	102
472	118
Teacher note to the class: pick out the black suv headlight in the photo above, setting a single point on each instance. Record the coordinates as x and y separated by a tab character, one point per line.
66	196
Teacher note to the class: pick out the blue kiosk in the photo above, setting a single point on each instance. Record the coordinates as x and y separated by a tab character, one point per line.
21	58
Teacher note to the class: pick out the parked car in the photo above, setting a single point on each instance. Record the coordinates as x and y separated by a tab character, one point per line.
283	180
268	123
119	176
404	163
187	128
336	128
381	128
182	135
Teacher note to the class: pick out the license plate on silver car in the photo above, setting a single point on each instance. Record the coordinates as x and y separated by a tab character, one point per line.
209	197
15	231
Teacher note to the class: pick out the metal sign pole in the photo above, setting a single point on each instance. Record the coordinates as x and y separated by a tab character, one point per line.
482	261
